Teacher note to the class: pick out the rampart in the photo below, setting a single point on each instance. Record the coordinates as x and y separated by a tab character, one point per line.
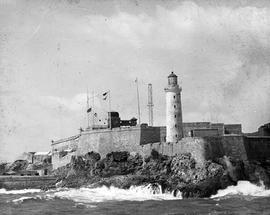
118	139
62	150
201	148
257	147
211	147
233	129
26	182
103	141
189	126
142	139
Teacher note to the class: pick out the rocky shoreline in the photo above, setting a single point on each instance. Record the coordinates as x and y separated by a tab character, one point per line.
179	173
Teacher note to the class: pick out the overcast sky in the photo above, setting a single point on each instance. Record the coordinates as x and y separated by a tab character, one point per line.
52	51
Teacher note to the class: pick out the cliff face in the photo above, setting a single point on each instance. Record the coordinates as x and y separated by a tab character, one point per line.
177	173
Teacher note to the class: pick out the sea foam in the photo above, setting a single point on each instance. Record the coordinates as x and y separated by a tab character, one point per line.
102	194
22	199
4	191
244	188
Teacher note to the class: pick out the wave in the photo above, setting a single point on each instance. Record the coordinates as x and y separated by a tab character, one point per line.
4	191
244	188
23	198
101	194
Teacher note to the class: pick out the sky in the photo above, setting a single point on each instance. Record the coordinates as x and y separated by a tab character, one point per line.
53	51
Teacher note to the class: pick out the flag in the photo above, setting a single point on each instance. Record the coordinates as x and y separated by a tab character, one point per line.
89	110
105	95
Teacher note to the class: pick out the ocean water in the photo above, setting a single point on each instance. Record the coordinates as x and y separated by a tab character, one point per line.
244	198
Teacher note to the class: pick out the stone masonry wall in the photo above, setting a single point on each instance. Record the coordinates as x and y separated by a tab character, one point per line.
66	147
233	146
105	141
233	129
257	148
143	140
25	182
188	126
201	148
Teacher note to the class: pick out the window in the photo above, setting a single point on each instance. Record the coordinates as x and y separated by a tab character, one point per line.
174	106
174	97
175	125
174	116
176	135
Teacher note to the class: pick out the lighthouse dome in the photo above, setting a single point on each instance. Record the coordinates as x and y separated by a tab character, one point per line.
172	79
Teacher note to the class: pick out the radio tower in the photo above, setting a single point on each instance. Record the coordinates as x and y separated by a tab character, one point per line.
150	104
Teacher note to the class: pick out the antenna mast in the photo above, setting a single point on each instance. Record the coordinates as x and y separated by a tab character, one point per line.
150	104
138	100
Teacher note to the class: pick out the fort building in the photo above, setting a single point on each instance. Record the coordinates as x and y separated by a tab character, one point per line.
204	140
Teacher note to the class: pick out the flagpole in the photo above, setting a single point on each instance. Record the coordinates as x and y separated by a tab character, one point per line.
138	100
110	101
88	120
93	104
110	121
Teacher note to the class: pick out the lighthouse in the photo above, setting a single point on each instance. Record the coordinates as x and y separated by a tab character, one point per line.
174	122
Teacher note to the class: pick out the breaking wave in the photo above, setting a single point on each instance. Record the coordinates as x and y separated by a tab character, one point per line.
23	198
101	194
4	191
244	188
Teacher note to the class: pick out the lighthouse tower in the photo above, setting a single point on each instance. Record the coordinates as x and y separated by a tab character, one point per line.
174	124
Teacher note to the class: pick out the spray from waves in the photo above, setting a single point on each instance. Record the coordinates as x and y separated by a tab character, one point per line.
244	188
4	191
102	194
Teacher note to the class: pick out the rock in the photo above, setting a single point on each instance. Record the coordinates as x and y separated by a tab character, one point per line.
3	168
235	168
91	159
182	162
257	173
92	156
122	181
18	165
202	189
120	156
77	163
177	173
154	154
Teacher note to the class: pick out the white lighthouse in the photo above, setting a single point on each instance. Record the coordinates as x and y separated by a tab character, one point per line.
174	123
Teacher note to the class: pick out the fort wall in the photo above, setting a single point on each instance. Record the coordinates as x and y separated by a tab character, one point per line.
233	146
213	132
233	129
189	126
209	148
63	150
105	141
152	135
257	147
26	182
142	139
201	148
219	127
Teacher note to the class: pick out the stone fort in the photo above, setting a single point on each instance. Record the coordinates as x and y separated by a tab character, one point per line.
204	140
